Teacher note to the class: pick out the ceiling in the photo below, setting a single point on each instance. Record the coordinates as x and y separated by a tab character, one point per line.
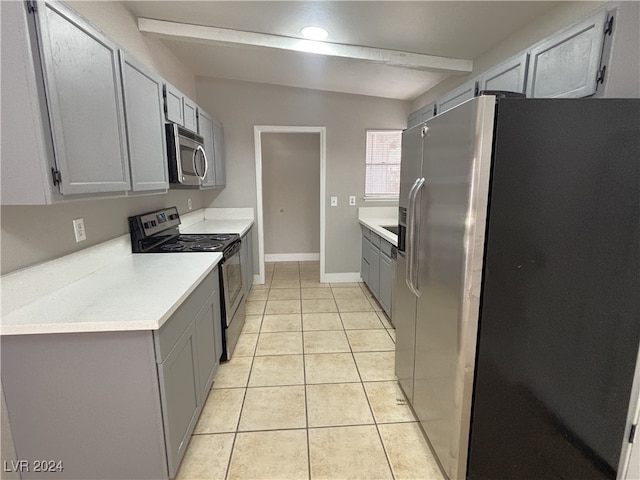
443	35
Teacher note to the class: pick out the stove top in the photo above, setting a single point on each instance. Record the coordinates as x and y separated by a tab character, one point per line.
157	232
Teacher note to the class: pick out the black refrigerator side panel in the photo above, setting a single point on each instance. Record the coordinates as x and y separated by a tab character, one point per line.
560	309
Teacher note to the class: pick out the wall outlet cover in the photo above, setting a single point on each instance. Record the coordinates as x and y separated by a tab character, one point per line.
78	229
352	200
334	201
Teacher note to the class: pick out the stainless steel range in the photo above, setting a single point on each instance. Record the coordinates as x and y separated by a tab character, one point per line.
158	232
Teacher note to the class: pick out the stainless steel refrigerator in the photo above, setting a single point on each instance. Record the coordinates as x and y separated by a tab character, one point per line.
516	299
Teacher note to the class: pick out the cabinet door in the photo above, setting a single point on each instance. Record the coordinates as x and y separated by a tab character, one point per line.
426	112
180	397
373	258
364	264
174	108
414	119
509	76
219	156
248	276
205	130
206	346
455	97
386	282
190	114
84	97
144	116
244	263
566	65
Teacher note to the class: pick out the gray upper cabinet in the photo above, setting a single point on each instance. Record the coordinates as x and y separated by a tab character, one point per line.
219	154
205	130
455	97
566	65
414	119
422	115
180	109
174	108
190	114
509	76
145	126
212	133
426	112
84	95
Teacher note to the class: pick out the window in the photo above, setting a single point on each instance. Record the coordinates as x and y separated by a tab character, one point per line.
383	164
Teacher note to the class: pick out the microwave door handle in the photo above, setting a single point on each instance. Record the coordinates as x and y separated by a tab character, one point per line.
195	166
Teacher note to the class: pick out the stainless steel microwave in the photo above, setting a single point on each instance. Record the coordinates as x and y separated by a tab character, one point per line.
187	159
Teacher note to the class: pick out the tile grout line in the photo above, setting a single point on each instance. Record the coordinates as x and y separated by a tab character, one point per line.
306	394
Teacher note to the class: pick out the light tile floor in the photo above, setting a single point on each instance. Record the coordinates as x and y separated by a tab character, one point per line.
310	391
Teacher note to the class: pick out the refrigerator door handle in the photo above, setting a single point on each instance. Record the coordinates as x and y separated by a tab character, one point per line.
414	256
408	275
410	272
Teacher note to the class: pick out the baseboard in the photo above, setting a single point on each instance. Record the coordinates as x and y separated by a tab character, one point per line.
291	257
347	277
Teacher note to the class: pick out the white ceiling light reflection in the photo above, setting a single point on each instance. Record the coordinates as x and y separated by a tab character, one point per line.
314	33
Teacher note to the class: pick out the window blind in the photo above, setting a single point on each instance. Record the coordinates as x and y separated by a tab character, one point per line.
383	153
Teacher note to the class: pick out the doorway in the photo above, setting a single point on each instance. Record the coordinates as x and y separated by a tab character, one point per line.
276	195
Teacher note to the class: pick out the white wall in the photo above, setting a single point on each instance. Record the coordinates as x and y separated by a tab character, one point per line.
291	192
241	105
32	234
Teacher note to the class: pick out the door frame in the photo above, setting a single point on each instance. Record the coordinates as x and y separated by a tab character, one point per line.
258	130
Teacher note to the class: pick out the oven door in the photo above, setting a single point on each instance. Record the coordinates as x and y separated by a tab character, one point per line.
232	281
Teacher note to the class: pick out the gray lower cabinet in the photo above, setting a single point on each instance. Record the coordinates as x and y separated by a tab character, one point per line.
386	282
146	138
81	75
377	267
116	405
373	257
566	65
510	76
246	258
364	264
180	395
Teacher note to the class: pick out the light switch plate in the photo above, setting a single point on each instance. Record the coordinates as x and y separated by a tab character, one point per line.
334	201
352	200
189	204
78	230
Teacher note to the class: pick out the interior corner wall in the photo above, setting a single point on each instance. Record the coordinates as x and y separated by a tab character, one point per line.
549	23
241	105
291	192
34	234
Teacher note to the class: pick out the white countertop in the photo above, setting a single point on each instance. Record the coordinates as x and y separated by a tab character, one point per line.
219	226
138	292
374	218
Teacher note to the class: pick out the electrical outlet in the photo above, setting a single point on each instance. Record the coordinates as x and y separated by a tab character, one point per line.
334	201
189	204
352	200
78	230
